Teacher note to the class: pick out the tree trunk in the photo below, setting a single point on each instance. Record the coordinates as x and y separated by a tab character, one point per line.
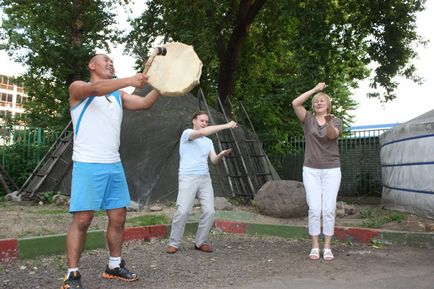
228	61
77	40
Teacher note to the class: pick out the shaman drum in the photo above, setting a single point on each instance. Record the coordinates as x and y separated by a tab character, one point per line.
176	72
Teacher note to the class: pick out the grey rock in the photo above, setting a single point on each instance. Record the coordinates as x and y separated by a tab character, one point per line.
155	208
282	199
61	200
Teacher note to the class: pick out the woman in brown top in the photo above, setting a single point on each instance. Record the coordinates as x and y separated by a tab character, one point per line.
321	168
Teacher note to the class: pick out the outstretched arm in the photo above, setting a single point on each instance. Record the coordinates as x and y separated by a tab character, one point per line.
297	104
211	130
136	102
79	89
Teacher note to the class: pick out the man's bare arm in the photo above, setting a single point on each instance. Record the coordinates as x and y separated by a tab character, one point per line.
136	102
79	89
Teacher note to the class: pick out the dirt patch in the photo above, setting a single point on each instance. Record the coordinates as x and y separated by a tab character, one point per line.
238	261
18	221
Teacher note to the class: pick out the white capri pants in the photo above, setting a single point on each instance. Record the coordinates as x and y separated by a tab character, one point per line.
189	187
322	186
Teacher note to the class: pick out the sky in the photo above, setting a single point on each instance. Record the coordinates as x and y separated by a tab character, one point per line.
412	99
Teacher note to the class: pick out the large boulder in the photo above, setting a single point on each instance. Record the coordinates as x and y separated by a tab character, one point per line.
282	199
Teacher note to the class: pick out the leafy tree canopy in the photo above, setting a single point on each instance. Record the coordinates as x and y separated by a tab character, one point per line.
255	52
54	41
265	53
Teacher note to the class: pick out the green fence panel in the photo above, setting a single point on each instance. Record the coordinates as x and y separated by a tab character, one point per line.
21	149
360	162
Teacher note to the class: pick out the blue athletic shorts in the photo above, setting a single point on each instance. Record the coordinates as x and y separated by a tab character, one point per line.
98	186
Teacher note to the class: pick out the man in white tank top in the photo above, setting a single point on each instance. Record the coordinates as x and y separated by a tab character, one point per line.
98	179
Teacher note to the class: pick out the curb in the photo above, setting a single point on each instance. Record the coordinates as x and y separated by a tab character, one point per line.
24	248
8	250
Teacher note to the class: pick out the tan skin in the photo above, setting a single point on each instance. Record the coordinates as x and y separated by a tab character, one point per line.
320	107
101	83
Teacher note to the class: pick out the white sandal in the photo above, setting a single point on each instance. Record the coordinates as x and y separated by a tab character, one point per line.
328	255
314	254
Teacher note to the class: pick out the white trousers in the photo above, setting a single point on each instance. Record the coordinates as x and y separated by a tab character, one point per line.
189	187
322	186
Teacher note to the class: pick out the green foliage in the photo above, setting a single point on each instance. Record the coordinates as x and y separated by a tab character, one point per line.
373	223
291	46
376	244
366	213
261	53
396	217
54	40
52	211
46	197
171	204
147	220
376	219
20	165
23	149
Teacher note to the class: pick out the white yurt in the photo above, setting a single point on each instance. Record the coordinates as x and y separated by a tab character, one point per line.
407	161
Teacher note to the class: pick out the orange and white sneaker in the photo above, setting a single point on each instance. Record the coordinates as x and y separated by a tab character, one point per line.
120	273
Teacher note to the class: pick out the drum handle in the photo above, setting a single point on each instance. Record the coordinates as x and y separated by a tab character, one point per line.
155	52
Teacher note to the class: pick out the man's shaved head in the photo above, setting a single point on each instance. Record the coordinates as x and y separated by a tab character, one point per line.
92	59
97	60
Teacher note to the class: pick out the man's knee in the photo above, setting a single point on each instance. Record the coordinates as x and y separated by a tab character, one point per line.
82	221
117	222
117	217
182	213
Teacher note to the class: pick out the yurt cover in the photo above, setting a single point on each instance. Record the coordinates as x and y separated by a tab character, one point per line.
407	160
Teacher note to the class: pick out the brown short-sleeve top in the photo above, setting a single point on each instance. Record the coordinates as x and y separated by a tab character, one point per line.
320	151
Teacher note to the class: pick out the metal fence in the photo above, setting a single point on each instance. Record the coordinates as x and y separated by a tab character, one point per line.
360	162
21	148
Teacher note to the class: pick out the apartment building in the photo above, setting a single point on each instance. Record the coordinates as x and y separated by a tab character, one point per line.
12	98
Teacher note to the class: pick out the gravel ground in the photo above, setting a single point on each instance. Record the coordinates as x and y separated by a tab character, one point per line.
238	261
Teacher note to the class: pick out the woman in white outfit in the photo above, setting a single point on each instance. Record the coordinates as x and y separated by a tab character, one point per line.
321	168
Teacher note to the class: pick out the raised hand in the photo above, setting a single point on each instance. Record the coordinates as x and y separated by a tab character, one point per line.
225	152
329	117
320	86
